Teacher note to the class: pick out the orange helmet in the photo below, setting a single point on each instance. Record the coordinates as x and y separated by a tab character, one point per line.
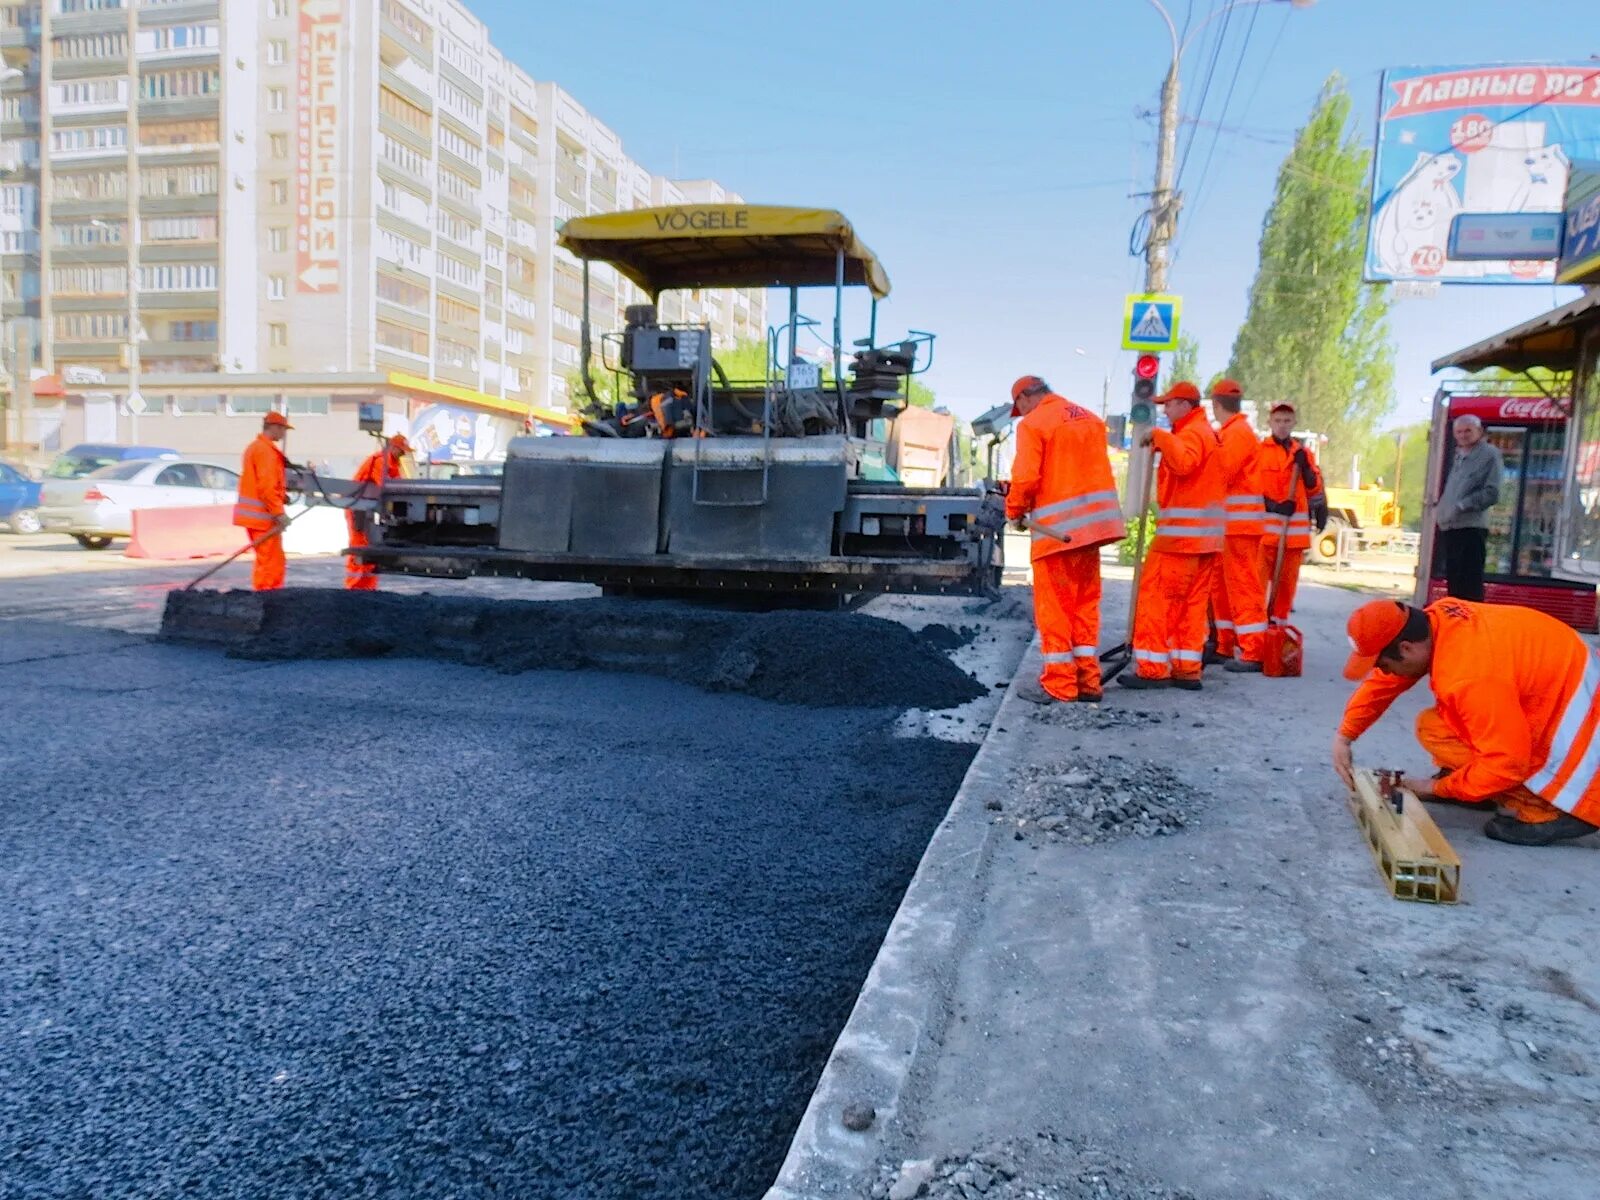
399	444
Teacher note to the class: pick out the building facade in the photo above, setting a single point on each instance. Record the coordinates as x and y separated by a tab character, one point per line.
336	188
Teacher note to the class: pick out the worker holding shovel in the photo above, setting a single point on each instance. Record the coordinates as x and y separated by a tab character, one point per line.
263	491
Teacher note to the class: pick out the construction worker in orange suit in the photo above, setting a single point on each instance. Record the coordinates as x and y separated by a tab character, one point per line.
1516	716
1169	631
1238	600
1062	489
1291	487
263	491
379	466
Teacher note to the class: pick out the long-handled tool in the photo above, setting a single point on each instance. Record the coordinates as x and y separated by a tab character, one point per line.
1282	656
275	531
1115	660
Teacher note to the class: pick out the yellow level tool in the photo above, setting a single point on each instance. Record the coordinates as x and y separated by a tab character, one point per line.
1414	858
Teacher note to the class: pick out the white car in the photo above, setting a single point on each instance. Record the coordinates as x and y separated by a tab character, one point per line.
99	507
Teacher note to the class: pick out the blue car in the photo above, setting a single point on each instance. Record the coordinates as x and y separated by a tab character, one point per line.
19	500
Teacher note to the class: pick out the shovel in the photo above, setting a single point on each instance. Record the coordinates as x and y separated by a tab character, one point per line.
1115	660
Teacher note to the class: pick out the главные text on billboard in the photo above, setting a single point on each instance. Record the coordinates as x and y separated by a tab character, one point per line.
1455	140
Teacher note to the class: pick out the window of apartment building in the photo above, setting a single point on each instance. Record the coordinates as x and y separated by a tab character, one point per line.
257	405
399	337
497	140
277	52
180	84
458	272
17	198
494	218
562	211
180	229
68	7
461	58
178	277
19	16
178	37
454	354
280	145
402	292
307	406
178	133
17	108
89	185
522	123
394	151
522	194
80	93
495	256
277	334
459	101
277	287
87	233
392	104
453	183
89	281
91	327
197	180
89	137
568	355
277	100
94	45
520	306
457	313
277	10
18	241
191	331
195	406
19	285
279	190
277	239
463	233
413	25
519	269
401	249
565	319
452	141
404	202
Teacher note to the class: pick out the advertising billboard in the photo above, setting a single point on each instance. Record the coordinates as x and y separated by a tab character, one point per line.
1475	140
1580	250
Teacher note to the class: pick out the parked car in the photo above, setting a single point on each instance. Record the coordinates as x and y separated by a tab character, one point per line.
19	500
99	507
91	456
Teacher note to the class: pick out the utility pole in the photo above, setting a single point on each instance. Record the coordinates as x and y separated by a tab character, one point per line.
1164	204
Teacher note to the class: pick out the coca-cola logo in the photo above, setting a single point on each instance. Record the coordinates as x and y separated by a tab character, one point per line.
1535	408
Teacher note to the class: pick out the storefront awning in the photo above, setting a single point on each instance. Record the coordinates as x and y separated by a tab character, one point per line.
1550	340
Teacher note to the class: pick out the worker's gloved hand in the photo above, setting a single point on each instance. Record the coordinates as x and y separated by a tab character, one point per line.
1283	508
1020	524
1319	512
991	516
1302	461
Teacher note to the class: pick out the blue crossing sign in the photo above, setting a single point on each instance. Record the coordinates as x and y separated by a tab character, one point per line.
1150	322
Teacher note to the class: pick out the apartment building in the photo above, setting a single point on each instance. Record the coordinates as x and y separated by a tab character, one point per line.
340	188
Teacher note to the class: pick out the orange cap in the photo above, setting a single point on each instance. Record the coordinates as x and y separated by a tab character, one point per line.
1228	389
1372	627
1028	383
276	418
399	443
1182	390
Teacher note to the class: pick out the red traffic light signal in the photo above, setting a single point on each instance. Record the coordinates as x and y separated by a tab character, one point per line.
1148	366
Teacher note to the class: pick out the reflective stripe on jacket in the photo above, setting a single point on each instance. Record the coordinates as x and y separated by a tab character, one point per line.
1238	451
1061	480
1520	689
1189	488
1281	479
263	486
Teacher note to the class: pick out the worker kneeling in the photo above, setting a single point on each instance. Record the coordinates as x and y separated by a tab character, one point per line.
1514	724
387	463
1062	487
1169	628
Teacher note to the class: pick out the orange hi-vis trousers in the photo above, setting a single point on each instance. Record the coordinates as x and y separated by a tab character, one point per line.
358	576
1288	580
1450	752
1238	601
1169	630
271	567
1066	609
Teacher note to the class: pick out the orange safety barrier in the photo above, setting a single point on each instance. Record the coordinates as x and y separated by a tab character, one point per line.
203	531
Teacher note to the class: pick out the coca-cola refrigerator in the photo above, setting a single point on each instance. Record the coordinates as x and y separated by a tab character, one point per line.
1531	433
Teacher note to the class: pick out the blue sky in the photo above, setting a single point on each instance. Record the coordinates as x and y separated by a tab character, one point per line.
987	151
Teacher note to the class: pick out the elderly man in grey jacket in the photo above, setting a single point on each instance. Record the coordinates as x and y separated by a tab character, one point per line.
1471	489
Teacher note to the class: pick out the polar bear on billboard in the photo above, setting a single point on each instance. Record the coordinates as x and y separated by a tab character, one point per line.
1544	189
1412	226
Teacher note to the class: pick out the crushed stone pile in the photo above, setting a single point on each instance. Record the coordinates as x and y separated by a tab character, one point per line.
820	660
1093	717
1100	800
945	637
1046	1167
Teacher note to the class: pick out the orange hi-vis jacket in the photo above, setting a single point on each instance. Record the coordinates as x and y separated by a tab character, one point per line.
1061	480
1280	479
1191	493
1520	689
1238	452
263	485
368	471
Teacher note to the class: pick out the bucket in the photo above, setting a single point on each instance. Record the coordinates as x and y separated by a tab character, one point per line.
1284	652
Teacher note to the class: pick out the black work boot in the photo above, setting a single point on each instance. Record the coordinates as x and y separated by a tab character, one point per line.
1140	683
1212	658
1240	666
1034	693
1189	683
1542	833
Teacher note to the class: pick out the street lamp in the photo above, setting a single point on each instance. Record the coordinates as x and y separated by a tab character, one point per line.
1164	204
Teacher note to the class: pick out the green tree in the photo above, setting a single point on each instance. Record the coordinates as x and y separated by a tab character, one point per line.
1185	363
1313	333
1403	449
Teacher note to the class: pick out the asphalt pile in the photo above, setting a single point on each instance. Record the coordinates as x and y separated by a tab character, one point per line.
1095	799
1045	1167
820	660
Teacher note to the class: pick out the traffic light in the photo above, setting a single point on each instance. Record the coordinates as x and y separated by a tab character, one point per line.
1145	371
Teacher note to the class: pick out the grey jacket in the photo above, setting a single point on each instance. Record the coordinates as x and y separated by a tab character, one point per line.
1472	489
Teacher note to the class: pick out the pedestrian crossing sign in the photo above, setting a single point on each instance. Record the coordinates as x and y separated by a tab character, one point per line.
1150	322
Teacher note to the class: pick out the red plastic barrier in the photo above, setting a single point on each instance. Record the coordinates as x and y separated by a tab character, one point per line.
205	531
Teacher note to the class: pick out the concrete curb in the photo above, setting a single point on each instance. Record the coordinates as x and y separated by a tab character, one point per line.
901	1008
